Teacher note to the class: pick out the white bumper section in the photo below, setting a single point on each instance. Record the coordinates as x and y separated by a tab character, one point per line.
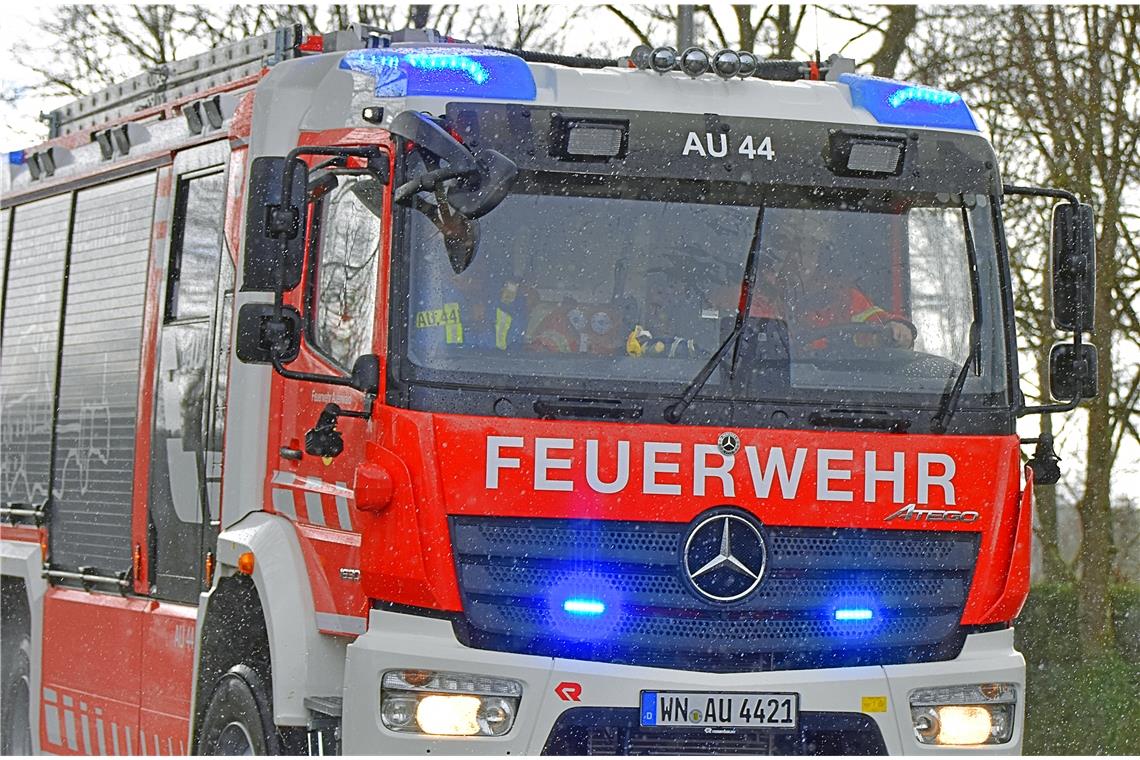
398	641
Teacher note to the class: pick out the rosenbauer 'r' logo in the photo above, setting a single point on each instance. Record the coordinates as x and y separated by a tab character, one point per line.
569	691
911	512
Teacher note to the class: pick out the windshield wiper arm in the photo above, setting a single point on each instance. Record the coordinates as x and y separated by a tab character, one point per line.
948	404
674	411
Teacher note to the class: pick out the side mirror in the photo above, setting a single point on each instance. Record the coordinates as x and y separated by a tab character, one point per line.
1073	371
477	194
263	334
366	374
477	182
1074	266
272	230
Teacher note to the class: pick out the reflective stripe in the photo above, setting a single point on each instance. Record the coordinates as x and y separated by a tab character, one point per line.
283	478
502	328
69	724
283	503
99	731
314	508
51	717
863	316
342	510
85	724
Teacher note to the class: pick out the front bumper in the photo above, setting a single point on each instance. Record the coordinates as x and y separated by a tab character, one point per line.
397	640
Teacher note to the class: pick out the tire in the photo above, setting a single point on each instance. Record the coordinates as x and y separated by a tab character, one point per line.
239	719
15	701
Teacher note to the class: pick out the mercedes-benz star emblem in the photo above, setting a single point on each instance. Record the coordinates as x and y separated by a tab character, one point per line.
725	557
728	443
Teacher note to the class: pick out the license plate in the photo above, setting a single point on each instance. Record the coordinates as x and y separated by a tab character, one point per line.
718	708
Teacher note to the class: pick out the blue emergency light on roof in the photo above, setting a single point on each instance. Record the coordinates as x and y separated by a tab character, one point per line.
892	102
16	158
444	72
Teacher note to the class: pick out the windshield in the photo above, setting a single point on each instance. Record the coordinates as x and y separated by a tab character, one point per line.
630	287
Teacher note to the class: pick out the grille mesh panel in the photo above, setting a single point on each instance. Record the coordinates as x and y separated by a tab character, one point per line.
513	574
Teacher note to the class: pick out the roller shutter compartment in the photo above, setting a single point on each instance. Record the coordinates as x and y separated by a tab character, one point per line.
93	474
32	299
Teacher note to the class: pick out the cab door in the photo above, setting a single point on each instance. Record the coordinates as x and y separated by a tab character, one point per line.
185	458
344	276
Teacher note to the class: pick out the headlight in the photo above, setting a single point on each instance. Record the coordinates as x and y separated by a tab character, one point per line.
964	715
448	704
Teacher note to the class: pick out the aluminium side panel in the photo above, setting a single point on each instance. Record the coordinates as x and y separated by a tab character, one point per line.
28	353
93	474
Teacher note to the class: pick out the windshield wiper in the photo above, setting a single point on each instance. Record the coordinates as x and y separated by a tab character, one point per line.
948	404
674	411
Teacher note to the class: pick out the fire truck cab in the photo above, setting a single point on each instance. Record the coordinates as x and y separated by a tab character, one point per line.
376	392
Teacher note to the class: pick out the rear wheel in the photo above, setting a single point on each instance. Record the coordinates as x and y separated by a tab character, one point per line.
15	702
239	719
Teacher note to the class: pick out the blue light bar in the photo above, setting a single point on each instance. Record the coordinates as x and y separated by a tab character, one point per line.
847	614
892	102
16	158
583	606
444	72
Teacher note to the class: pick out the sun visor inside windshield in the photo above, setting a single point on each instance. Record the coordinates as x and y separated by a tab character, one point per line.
710	147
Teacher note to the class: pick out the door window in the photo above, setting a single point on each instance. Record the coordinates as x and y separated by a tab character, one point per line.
344	298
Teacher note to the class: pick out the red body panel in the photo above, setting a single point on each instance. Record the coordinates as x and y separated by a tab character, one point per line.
167	675
92	660
26	533
117	674
446	469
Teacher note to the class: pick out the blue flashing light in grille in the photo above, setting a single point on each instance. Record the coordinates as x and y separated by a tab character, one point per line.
847	614
442	72
892	102
584	607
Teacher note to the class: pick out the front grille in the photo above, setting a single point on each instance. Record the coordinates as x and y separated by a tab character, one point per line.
514	573
615	731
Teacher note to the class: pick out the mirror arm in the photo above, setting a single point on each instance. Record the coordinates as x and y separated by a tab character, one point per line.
311	377
1064	406
1043	192
427	182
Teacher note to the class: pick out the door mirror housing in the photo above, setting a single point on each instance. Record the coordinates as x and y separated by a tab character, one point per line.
273	230
478	194
1073	371
1074	266
264	334
475	182
365	375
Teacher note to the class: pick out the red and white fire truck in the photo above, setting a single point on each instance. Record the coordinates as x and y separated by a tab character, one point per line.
382	393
